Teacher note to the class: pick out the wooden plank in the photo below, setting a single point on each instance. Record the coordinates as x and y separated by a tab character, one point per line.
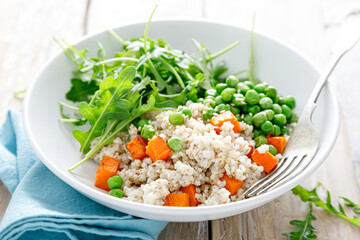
26	32
102	16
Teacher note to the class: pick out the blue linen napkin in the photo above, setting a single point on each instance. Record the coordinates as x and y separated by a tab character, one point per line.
44	207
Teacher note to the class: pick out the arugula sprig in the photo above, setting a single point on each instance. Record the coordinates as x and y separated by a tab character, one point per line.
312	196
305	229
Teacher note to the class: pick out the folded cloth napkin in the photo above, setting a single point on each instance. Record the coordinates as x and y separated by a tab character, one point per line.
44	207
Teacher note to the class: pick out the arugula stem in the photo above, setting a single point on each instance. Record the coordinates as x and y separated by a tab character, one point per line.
106	137
307	221
94	97
240	72
109	61
169	95
147	29
221	52
71	120
117	37
17	93
172	69
68	106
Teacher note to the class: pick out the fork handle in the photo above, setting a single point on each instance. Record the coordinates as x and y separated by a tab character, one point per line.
335	59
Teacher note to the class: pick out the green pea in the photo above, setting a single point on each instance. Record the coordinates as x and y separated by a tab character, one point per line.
210	97
176	144
116	193
259	119
262	95
272	150
220	108
254	109
294	118
210	92
267	127
271	92
142	123
243	88
148	131
227	107
286	111
260	140
200	100
220	87
277	130
227	94
249	84
266	103
238	99
284	131
260	88
289	101
210	101
176	118
252	97
248	119
277	109
186	111
280	119
257	132
231	81
235	110
269	114
244	108
115	182
208	113
219	100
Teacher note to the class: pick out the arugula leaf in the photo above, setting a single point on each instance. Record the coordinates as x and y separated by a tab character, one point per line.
81	90
312	196
354	206
305	229
105	107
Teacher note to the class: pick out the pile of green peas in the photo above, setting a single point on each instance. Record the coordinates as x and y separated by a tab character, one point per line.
257	105
114	184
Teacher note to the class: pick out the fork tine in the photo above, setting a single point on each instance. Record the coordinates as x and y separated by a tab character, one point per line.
258	183
289	162
304	164
295	168
278	172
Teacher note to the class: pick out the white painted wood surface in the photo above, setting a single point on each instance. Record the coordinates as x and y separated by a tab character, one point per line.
27	28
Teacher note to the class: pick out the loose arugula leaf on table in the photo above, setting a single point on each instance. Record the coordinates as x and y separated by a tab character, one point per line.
313	197
305	229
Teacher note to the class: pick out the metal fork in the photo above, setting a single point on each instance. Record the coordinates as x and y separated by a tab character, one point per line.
304	140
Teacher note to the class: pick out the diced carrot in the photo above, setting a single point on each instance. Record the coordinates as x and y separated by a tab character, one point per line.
226	116
251	151
107	169
191	191
177	200
278	142
232	185
137	148
158	149
267	160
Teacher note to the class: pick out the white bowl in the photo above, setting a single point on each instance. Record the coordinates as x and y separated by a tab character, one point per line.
275	62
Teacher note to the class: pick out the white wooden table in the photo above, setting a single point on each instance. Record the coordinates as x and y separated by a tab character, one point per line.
27	28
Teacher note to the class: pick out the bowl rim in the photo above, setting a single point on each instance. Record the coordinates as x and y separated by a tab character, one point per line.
112	202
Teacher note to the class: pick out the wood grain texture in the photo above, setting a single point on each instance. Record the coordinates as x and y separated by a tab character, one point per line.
27	29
